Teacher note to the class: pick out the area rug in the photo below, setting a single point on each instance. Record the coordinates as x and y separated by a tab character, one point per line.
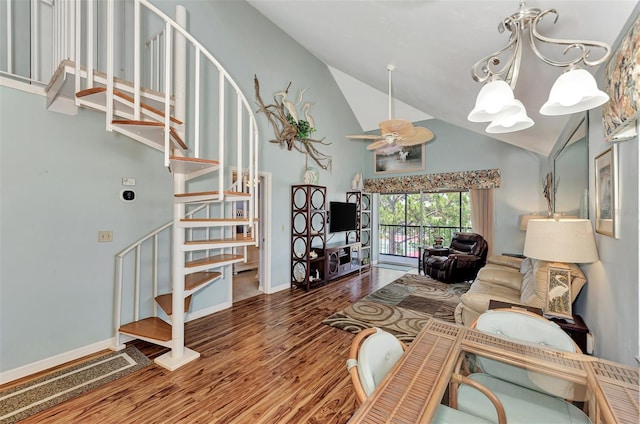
24	400
402	307
396	267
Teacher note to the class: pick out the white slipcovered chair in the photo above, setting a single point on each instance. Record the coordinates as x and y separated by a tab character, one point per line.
527	396
373	354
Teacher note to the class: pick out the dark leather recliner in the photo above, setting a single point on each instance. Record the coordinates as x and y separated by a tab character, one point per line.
460	262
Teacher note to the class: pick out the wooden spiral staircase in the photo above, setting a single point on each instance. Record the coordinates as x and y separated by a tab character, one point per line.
206	236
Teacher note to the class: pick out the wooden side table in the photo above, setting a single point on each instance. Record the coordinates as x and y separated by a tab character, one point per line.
577	330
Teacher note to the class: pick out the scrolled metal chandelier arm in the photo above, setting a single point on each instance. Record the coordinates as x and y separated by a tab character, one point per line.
581	45
484	69
527	19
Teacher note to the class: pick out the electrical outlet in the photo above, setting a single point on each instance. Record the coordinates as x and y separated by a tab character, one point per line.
105	236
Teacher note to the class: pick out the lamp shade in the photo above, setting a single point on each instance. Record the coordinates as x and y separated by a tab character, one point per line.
574	91
495	98
564	240
510	122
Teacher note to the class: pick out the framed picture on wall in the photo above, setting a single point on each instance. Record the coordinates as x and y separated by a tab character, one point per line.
397	159
622	84
606	173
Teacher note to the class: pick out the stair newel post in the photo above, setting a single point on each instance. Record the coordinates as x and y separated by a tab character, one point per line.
179	354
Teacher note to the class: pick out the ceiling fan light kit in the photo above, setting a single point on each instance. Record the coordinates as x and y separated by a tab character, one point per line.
574	91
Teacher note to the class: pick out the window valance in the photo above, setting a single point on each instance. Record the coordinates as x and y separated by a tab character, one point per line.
461	180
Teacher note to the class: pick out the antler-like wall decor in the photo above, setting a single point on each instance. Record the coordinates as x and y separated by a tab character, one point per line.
290	131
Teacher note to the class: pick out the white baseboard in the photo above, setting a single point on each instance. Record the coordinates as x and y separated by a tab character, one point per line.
207	311
56	360
279	288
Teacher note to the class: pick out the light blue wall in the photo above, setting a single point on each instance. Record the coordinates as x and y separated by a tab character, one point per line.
61	179
457	149
60	182
610	300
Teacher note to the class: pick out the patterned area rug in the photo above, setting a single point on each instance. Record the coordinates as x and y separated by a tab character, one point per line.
401	307
24	400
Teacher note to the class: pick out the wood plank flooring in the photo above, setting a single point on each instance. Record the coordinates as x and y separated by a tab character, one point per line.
268	359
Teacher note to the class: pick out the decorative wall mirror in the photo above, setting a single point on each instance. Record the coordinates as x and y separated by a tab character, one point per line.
571	173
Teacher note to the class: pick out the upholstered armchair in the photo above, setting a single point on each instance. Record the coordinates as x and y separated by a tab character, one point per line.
460	262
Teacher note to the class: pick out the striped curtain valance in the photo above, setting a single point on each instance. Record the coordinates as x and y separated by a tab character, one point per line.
461	180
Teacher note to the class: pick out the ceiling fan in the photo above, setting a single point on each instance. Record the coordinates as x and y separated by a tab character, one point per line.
395	132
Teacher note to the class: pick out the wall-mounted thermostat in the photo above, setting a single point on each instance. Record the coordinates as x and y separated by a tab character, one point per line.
128	195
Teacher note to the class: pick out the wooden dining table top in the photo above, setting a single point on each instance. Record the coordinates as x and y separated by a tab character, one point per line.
414	388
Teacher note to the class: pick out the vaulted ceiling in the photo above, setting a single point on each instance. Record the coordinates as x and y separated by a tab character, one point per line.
433	45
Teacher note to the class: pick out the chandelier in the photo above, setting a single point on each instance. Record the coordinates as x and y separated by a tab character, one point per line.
574	91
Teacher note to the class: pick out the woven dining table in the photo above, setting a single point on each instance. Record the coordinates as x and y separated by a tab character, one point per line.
414	388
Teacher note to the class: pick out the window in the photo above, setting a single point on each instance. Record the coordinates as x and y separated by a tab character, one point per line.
409	220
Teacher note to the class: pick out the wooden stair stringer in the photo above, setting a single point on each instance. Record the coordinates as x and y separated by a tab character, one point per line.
96	98
61	89
149	133
192	167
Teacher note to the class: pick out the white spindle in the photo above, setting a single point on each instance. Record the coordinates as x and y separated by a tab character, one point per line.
35	40
221	132
9	37
77	56
167	91
110	60
118	311
136	286
239	137
155	274
137	23
196	113
90	43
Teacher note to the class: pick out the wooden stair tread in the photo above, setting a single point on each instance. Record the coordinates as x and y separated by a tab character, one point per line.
214	193
197	279
239	239
183	165
213	260
172	131
97	90
152	328
165	301
216	220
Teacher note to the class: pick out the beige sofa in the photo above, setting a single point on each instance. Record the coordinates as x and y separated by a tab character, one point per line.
513	280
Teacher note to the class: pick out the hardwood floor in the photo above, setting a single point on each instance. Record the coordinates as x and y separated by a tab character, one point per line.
268	359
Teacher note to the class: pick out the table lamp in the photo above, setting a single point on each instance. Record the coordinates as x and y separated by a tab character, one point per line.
560	241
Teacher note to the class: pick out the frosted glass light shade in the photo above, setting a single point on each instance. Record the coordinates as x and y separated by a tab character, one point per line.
574	91
564	240
494	98
510	122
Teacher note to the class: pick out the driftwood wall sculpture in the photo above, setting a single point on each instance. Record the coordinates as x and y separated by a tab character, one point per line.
291	131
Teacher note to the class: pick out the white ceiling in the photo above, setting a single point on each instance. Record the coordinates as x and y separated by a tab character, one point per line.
433	44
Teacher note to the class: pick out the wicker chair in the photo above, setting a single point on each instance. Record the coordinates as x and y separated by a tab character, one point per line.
372	355
526	395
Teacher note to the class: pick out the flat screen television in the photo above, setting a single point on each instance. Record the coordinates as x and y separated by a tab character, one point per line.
342	217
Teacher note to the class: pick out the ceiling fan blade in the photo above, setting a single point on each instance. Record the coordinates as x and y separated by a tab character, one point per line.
377	144
421	136
400	126
365	136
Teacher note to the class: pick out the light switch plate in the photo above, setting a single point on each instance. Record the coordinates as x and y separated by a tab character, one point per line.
128	181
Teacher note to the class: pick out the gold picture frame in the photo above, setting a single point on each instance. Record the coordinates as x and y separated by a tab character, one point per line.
606	174
558	302
399	159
